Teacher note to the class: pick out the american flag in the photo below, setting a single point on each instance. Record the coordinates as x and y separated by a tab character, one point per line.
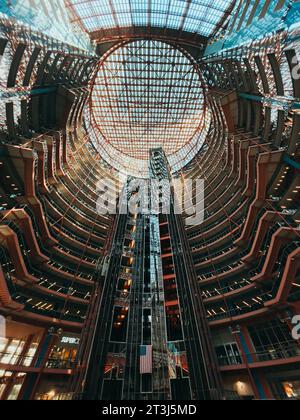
145	359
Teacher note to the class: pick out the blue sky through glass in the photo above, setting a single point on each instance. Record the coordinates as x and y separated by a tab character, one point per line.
47	16
195	16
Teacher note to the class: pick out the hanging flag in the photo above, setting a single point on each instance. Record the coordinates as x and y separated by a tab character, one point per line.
145	359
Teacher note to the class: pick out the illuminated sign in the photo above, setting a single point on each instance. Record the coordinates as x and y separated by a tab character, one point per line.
296	329
69	340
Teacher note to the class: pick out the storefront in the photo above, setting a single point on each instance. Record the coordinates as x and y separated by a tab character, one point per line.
64	351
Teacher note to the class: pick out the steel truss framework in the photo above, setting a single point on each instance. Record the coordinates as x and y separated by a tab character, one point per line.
201	17
147	94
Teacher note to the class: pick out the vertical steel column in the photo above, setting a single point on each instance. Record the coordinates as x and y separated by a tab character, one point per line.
204	373
93	381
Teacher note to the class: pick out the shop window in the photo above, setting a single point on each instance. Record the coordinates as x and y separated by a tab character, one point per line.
15	392
30	354
5	380
64	352
11	350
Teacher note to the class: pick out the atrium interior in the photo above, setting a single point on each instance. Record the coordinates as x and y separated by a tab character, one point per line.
149	200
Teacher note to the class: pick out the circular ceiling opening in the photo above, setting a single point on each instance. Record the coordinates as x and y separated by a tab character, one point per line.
146	94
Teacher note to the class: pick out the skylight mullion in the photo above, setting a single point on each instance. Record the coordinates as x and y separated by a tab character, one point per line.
192	16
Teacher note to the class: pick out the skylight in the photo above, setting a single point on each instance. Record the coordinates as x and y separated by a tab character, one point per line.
147	94
195	16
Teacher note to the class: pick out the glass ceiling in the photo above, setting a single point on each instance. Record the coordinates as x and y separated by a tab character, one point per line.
195	16
146	94
47	16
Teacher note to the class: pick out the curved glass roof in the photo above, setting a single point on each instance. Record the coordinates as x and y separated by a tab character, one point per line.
47	16
200	17
146	94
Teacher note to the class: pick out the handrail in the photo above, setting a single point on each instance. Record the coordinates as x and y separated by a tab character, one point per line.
276	353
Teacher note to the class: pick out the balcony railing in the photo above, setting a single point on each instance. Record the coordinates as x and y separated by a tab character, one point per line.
278	353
